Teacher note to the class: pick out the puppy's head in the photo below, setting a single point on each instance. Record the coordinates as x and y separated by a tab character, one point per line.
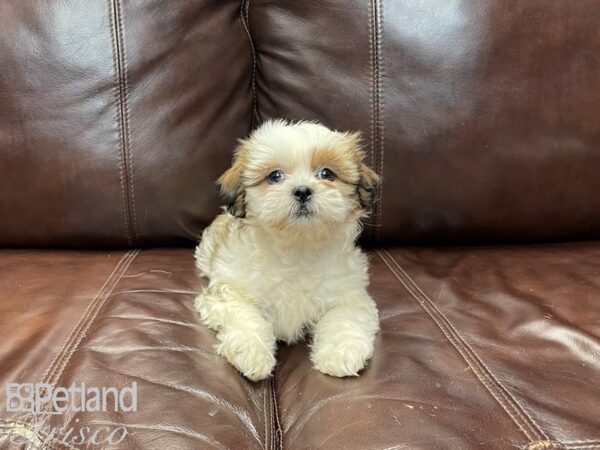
299	174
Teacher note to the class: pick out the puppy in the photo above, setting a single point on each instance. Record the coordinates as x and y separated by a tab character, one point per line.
282	260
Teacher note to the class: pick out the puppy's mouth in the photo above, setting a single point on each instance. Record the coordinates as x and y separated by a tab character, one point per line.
304	212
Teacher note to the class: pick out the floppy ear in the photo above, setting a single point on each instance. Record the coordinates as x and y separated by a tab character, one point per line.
232	190
368	184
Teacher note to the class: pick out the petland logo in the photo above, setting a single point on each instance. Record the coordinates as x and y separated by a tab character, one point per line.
43	398
42	401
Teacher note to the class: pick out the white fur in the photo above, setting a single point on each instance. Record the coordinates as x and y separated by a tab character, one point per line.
274	276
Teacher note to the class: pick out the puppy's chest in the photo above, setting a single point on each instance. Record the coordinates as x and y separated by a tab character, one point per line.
275	281
290	295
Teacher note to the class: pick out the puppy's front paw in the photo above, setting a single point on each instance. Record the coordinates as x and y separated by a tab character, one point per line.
342	359
254	358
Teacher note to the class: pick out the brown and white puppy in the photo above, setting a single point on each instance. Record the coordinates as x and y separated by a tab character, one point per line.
282	259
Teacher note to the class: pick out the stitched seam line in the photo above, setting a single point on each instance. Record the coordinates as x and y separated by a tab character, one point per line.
245	17
525	423
370	223
379	113
270	408
52	367
481	366
49	372
117	71
127	127
102	299
278	434
375	50
121	83
265	445
88	317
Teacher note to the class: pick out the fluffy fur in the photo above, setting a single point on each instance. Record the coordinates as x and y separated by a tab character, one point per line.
280	268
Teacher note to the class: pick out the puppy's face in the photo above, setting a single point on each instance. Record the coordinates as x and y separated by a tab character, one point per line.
300	174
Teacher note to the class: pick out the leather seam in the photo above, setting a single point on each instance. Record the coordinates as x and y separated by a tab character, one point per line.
49	372
245	17
122	88
103	296
372	127
512	407
277	436
266	440
270	409
379	121
62	358
375	52
127	127
120	128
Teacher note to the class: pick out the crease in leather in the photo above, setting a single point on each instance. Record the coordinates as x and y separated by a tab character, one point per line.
62	358
375	51
516	412
199	393
245	18
121	83
172	429
581	445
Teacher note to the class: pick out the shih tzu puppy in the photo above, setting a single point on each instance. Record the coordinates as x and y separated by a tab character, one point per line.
282	260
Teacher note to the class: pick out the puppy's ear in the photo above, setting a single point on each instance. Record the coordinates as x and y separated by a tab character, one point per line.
368	184
368	181
231	186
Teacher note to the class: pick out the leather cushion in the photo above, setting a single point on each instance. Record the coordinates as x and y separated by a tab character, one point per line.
482	118
486	347
117	118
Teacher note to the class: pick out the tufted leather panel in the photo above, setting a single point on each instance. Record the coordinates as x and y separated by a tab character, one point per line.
491	348
116	117
113	318
483	117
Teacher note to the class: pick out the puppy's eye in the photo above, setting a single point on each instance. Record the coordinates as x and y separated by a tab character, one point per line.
325	174
275	177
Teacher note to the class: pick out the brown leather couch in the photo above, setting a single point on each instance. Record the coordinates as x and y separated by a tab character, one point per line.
116	117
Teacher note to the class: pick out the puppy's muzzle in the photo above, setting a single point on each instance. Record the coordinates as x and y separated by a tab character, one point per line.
302	194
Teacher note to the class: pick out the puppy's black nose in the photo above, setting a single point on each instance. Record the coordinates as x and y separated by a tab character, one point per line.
302	193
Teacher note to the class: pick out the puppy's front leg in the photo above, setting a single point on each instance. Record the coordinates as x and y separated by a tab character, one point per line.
343	337
245	338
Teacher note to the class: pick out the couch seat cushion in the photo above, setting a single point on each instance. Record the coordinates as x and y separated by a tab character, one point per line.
480	348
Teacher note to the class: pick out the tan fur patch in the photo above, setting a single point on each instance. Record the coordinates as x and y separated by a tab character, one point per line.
342	157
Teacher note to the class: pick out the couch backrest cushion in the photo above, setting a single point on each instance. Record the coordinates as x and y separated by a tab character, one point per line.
116	117
483	116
